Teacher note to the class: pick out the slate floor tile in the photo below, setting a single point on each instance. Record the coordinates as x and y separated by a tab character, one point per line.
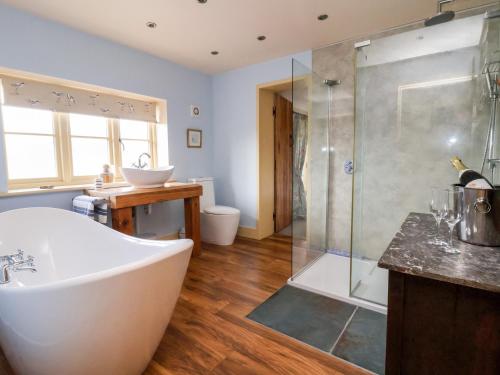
363	341
311	318
323	322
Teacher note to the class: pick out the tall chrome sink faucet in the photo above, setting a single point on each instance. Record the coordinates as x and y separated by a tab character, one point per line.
140	164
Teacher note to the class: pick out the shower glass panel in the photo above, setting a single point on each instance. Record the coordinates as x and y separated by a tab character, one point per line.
310	166
490	62
419	102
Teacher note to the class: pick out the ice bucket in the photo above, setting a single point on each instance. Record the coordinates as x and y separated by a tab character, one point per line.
480	224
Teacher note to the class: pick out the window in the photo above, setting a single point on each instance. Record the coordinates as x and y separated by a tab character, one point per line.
51	148
135	139
31	144
90	144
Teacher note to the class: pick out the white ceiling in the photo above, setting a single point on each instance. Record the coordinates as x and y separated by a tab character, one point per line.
449	36
187	31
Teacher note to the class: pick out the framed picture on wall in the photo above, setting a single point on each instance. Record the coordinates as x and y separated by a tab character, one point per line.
194	138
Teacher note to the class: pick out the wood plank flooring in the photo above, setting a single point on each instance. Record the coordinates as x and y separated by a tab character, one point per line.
209	334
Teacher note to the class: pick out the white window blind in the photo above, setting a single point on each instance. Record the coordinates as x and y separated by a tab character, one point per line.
20	92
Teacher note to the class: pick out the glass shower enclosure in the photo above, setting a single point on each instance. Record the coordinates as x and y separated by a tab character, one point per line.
310	167
421	96
420	100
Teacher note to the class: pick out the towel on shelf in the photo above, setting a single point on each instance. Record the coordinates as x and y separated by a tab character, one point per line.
93	207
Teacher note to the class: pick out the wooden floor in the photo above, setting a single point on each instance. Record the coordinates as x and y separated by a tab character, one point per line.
209	334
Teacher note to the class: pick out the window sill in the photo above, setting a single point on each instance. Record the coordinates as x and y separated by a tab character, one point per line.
57	189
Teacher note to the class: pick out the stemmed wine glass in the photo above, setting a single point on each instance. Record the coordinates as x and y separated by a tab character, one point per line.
454	209
437	207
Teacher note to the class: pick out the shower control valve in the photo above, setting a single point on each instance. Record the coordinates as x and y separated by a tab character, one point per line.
348	166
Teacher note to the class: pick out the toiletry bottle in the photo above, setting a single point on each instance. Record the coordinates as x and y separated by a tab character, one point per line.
98	183
106	175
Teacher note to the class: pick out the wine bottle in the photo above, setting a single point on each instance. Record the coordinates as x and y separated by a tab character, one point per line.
470	178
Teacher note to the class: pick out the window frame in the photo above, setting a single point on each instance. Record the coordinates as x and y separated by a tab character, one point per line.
64	157
153	145
21	183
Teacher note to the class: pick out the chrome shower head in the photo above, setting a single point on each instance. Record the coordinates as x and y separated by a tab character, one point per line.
440	17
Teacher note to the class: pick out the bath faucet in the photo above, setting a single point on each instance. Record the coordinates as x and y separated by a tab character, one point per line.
12	258
15	263
140	164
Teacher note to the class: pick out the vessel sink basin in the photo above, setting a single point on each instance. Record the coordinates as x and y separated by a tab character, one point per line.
147	178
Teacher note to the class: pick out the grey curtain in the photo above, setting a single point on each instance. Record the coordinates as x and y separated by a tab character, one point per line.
299	157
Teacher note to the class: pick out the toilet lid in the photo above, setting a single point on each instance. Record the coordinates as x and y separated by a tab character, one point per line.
221	210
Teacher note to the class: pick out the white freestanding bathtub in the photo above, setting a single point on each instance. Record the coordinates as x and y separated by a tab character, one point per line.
100	301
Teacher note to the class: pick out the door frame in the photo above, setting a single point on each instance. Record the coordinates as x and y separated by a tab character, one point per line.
265	158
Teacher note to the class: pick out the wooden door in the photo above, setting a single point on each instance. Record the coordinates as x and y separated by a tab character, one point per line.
283	148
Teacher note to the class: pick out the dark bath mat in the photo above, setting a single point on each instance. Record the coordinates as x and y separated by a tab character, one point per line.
311	318
363	341
324	323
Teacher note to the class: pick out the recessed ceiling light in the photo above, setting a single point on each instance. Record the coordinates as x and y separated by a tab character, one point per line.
151	24
202	1
214	53
261	37
322	17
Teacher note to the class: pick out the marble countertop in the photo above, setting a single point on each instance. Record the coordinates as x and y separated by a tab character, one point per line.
412	252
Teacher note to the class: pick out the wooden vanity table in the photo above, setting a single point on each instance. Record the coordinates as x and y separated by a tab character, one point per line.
122	200
444	309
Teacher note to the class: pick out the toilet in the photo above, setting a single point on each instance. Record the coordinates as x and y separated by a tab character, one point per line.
219	224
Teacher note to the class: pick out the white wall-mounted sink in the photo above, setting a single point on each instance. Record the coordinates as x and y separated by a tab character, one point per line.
147	178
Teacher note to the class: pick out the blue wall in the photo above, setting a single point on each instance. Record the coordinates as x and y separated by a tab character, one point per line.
36	45
235	131
227	101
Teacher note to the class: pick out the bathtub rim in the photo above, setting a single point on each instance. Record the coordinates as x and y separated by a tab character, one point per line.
166	249
104	274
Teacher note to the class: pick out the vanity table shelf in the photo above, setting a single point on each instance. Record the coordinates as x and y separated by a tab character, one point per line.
443	309
122	200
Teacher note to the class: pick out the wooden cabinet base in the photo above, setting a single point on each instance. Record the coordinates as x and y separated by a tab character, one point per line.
123	200
192	222
123	221
436	327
